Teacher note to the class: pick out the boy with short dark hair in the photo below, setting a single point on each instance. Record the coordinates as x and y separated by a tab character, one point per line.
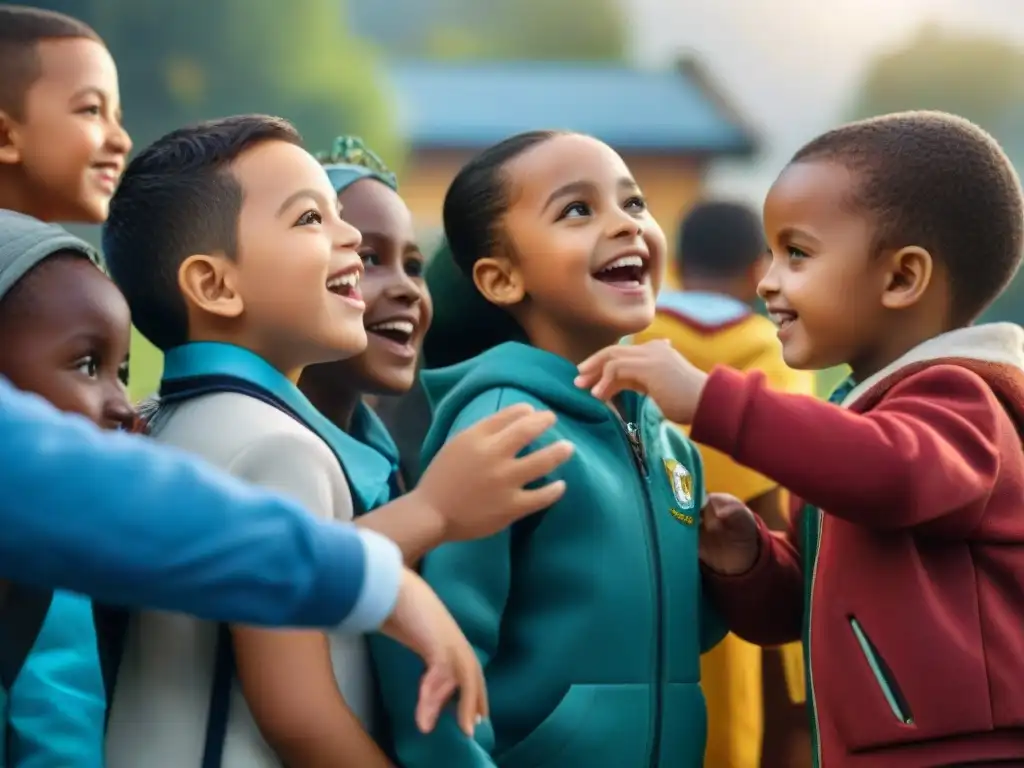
722	256
62	145
65	330
904	570
227	241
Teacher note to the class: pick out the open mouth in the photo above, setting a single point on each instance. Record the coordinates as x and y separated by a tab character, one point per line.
783	318
625	273
397	335
346	284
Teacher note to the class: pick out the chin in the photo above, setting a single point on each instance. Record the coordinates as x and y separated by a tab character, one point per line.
343	346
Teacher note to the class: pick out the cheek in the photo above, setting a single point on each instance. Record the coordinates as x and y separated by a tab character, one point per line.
372	286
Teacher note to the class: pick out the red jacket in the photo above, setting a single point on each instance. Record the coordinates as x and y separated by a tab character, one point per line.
916	632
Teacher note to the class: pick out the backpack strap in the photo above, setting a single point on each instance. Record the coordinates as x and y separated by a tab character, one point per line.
220	699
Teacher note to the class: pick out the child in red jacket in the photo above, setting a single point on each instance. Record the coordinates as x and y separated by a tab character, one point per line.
904	571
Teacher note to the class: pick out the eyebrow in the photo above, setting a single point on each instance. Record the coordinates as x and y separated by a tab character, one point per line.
582	187
302	194
791	233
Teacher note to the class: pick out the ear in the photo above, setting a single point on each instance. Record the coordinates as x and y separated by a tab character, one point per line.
499	281
908	277
10	153
209	283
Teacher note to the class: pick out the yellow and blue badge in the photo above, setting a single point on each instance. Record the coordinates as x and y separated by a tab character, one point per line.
681	481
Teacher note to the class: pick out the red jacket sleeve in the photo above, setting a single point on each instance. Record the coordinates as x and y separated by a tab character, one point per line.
926	454
765	605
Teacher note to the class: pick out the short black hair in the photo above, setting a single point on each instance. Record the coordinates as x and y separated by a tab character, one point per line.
940	182
718	238
466	324
21	30
178	198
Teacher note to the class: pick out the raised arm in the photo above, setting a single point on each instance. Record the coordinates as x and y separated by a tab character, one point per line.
132	523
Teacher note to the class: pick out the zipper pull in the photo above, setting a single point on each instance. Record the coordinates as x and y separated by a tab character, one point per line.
633	433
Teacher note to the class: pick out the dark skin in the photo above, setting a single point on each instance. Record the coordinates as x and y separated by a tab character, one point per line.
66	330
398	307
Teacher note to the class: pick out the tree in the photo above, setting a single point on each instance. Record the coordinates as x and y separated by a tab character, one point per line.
980	77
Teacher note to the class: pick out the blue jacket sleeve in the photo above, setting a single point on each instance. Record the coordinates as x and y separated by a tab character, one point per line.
132	523
472	578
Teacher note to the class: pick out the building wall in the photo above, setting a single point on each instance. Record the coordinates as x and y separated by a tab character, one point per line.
671	184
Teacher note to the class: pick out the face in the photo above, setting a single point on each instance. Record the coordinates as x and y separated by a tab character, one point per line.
70	148
66	331
823	288
398	306
587	256
298	269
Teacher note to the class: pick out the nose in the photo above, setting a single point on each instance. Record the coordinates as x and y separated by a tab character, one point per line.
346	237
117	411
624	225
768	285
118	140
402	288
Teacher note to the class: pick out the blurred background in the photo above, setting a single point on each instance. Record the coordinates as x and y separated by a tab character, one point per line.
702	97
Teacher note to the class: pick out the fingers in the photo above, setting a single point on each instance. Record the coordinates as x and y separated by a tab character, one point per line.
618	375
436	687
472	699
500	420
542	462
515	436
536	499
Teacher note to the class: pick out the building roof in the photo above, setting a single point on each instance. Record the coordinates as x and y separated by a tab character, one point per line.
474	105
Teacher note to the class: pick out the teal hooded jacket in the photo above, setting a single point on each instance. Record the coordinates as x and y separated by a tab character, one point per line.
588	617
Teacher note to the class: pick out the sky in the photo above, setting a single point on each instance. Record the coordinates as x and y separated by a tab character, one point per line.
791	66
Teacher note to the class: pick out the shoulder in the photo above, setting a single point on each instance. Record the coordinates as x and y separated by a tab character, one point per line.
950	384
490	401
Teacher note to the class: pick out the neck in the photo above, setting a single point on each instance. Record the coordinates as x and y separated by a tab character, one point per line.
574	347
328	395
727	286
14	198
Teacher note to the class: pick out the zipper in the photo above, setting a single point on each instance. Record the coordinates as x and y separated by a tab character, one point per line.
636	446
882	674
815	729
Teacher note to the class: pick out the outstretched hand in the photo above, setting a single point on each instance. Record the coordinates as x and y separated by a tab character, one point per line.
477	482
422	623
654	369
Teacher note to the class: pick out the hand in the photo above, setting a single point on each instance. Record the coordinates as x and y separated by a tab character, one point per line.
475	482
422	623
729	541
653	369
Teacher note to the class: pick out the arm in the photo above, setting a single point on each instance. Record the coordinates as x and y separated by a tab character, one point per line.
472	578
288	677
765	605
198	541
926	452
405	522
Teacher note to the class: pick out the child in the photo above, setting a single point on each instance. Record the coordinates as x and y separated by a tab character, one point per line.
722	256
227	242
398	305
588	618
65	330
62	146
889	237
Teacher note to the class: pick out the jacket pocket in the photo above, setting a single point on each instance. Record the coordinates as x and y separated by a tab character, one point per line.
883	675
597	726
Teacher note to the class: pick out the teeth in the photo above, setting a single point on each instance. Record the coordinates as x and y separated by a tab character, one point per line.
402	326
625	261
348	279
781	318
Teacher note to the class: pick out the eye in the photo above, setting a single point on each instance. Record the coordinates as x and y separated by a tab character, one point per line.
796	253
311	216
94	110
635	204
414	267
88	366
574	211
370	258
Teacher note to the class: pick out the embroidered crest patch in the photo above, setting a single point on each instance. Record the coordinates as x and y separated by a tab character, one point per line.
681	480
